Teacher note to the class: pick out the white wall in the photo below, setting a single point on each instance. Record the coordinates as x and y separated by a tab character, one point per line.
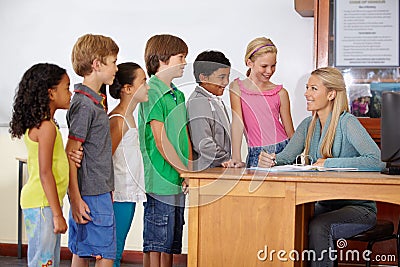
45	31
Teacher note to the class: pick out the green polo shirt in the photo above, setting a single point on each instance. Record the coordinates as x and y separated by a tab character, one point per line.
169	108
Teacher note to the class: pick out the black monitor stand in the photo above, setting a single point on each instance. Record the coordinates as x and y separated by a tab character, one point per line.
392	170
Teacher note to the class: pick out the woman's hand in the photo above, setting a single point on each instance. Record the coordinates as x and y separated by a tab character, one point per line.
319	162
266	160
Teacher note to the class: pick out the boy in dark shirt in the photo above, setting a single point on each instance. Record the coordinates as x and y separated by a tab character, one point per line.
91	222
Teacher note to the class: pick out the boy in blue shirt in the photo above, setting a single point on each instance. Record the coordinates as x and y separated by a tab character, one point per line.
91	221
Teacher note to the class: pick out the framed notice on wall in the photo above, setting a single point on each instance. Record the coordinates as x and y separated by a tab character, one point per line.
367	33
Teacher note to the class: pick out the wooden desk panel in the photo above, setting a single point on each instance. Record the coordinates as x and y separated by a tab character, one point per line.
309	192
235	213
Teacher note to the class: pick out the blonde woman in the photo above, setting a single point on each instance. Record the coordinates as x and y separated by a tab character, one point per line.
332	137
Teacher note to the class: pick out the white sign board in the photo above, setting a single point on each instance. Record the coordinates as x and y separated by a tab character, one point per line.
367	33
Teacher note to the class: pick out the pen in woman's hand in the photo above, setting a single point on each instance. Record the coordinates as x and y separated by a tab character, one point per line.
266	159
273	158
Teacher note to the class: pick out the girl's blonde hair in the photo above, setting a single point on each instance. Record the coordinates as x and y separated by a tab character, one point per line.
258	47
332	79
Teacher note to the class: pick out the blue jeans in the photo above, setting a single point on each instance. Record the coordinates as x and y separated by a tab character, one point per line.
328	225
43	243
254	152
124	212
163	223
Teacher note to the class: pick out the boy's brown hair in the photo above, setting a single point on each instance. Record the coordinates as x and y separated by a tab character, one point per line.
161	48
90	47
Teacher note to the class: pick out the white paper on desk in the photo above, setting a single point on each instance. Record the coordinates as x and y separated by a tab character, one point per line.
326	169
299	168
287	168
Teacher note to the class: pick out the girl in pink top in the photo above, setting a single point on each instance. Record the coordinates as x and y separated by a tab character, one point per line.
259	107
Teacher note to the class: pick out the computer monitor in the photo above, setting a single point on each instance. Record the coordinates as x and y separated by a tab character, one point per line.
390	132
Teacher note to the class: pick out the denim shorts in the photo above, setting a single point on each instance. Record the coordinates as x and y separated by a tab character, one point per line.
254	152
43	243
97	237
163	223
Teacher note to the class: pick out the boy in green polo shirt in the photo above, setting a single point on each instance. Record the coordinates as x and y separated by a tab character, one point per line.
165	147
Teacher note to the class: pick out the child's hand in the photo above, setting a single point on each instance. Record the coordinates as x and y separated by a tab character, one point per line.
60	225
185	186
266	160
233	164
76	156
80	211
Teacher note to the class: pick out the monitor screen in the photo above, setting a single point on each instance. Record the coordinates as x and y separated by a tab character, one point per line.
390	132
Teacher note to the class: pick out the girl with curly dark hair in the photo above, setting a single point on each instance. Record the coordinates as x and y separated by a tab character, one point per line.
43	89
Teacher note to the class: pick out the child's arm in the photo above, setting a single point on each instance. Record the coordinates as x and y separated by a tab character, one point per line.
79	208
285	114
202	124
168	152
76	156
46	136
185	183
165	147
190	159
237	126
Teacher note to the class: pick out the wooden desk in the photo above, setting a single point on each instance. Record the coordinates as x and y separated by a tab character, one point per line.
236	213
21	162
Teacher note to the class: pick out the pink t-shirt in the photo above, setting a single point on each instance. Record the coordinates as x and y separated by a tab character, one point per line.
261	113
